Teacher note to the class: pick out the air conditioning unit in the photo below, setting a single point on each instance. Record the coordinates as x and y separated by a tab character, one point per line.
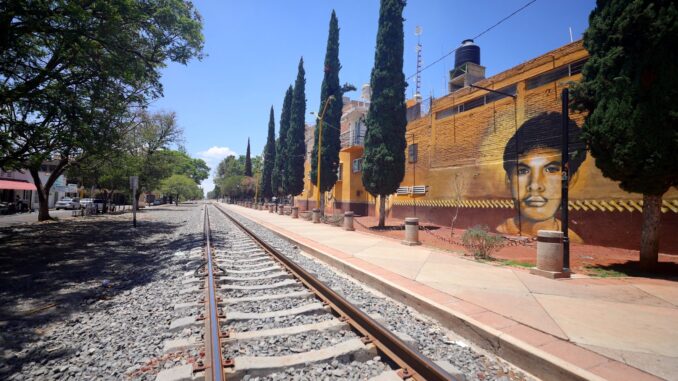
414	190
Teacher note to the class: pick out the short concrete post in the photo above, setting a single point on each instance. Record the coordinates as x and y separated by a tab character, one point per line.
281	209
295	212
550	255
315	217
271	207
348	221
411	231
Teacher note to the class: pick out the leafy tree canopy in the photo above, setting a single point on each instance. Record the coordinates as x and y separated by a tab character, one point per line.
181	186
295	144
629	89
278	176
384	163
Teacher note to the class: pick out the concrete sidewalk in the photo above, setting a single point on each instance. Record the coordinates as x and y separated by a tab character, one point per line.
614	329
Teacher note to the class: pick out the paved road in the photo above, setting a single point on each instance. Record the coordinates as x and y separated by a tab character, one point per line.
24	218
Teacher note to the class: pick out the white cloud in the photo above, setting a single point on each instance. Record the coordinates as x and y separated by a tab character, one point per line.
213	156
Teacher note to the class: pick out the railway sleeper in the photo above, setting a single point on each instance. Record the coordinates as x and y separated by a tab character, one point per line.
283	283
311	308
299	294
328	325
280	274
350	350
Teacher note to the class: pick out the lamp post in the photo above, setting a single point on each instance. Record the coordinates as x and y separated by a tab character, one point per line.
320	141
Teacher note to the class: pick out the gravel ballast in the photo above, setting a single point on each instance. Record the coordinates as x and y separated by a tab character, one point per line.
112	287
431	339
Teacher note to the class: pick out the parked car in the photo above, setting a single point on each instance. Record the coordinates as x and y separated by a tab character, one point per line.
95	203
157	202
68	203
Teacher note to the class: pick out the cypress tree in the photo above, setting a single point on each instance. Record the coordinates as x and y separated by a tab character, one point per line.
269	160
384	159
331	145
629	89
278	176
296	146
248	160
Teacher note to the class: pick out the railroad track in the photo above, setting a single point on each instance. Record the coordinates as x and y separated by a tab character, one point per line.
261	314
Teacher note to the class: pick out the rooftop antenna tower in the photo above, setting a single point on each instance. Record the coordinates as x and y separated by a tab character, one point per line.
417	92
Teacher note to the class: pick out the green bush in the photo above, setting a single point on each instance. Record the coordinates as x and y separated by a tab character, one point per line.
480	242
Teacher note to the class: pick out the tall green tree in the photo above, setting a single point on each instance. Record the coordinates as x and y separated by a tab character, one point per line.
269	160
629	90
248	160
296	145
180	186
278	176
384	160
331	144
70	72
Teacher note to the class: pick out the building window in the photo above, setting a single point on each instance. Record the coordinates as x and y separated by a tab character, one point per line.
412	152
357	165
340	170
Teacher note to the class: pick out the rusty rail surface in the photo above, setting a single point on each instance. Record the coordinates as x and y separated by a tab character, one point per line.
214	365
412	362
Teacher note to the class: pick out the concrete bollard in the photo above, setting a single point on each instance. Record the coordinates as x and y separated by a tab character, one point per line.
315	216
411	231
348	221
280	209
271	207
550	255
295	212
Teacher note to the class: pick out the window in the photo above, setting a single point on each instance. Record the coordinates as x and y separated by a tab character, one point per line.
357	165
412	153
340	170
555	74
477	102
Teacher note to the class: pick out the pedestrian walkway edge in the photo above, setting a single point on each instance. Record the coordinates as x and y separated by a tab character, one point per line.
528	357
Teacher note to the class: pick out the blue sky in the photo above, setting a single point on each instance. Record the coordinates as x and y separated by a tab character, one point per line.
253	49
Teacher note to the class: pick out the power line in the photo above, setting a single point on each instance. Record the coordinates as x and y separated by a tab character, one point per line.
475	37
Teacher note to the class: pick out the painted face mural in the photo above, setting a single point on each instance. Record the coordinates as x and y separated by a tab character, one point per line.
532	161
535	184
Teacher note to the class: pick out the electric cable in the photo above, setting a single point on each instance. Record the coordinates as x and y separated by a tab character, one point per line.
474	37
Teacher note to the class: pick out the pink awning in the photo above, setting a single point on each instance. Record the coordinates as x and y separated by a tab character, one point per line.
16	185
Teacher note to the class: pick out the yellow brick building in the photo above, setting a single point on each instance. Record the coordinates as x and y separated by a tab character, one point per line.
494	159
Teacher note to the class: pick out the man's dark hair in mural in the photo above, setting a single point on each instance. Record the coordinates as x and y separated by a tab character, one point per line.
532	161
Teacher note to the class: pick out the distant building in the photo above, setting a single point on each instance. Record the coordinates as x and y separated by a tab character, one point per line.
20	183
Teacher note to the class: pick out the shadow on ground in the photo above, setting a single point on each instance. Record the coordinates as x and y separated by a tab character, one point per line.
49	270
663	270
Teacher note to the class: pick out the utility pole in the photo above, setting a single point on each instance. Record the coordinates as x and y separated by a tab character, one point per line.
565	165
134	184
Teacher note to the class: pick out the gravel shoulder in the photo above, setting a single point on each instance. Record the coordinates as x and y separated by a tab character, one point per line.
91	298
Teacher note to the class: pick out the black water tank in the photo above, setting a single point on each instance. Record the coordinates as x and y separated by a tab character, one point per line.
467	52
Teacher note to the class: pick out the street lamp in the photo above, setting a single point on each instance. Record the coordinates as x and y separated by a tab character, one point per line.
320	141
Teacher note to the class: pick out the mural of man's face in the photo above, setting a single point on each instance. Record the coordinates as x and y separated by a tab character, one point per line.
536	183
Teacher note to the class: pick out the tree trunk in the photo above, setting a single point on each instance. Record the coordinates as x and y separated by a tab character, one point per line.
43	190
649	236
43	201
382	211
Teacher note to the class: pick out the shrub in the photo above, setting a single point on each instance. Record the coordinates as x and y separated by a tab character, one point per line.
480	242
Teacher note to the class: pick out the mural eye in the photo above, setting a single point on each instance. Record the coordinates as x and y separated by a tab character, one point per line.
523	171
552	168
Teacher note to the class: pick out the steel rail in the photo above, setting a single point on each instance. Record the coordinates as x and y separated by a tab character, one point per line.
412	362
214	368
